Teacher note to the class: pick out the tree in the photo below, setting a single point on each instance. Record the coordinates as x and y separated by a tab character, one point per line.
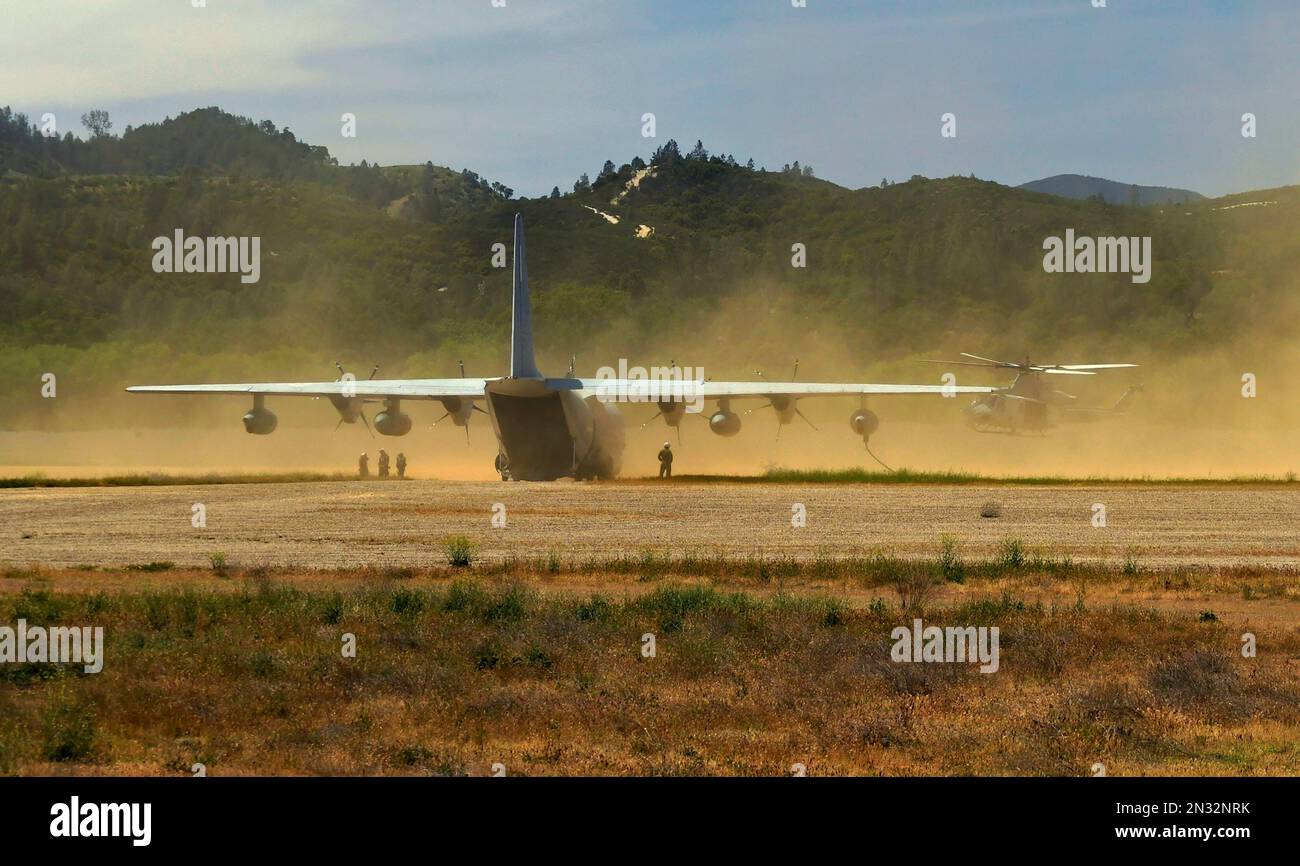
606	171
698	152
582	184
667	154
555	192
750	164
637	163
97	122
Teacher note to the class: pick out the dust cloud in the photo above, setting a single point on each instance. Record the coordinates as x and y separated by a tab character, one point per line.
1191	419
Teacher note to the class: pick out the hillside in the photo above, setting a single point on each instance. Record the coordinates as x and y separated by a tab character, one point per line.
681	256
1109	191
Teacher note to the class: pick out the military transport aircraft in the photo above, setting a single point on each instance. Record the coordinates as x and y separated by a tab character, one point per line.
548	428
1029	405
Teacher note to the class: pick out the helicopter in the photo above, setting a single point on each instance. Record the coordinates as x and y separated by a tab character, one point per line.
1030	405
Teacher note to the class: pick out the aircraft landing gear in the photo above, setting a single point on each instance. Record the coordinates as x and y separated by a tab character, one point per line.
503	467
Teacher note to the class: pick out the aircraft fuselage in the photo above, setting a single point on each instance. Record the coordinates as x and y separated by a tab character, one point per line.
546	432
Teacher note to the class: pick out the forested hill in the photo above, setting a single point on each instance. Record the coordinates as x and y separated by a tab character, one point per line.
395	264
1082	186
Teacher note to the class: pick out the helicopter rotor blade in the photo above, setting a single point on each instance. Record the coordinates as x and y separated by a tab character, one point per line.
989	360
1090	366
958	363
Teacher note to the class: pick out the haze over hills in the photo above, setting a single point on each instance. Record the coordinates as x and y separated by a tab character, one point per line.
681	254
1113	192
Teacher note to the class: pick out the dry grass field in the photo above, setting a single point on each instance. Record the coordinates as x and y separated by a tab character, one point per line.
224	646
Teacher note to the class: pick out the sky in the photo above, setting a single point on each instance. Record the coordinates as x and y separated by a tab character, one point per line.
537	92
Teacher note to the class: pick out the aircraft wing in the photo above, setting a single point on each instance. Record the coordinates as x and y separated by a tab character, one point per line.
650	389
404	388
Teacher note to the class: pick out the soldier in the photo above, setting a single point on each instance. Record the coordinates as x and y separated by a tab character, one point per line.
383	463
363	465
401	465
666	461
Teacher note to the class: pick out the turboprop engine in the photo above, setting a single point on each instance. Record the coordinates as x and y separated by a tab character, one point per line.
784	406
392	421
260	420
459	409
349	408
673	411
864	422
724	422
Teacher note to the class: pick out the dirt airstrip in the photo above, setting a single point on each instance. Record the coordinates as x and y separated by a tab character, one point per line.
342	524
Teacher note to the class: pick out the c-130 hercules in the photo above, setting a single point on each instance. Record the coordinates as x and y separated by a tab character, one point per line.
548	428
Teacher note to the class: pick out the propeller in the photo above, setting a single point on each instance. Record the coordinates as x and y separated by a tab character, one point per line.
473	406
361	412
779	424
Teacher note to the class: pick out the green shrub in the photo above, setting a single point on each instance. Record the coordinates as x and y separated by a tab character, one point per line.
595	609
464	595
510	606
69	730
1011	554
406	602
332	612
459	550
950	564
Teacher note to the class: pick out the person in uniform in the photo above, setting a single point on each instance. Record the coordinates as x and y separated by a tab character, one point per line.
666	461
363	465
383	463
401	465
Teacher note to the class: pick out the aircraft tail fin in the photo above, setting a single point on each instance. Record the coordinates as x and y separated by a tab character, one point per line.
523	365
